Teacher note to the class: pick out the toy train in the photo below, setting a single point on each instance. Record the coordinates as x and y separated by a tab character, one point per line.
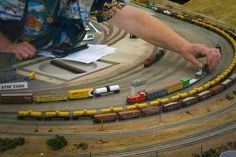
66	115
29	98
155	57
164	104
136	110
184	83
180	100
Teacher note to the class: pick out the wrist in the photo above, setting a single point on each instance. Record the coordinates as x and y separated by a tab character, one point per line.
185	47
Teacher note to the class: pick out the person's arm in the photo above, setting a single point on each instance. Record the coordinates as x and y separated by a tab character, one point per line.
154	31
22	50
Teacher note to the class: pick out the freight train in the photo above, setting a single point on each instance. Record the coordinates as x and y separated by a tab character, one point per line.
184	83
155	57
211	88
134	111
71	94
164	104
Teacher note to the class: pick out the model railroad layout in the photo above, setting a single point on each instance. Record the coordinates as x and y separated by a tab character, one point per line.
200	93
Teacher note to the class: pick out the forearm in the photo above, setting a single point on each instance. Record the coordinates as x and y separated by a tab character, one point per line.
4	42
149	28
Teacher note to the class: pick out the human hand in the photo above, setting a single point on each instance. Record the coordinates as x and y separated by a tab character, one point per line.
193	51
23	50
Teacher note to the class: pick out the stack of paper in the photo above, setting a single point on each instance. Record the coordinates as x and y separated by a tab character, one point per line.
89	55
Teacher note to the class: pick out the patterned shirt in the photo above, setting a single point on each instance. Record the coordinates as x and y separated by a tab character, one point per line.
43	15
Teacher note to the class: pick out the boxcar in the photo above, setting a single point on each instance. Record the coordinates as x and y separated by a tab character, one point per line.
204	95
156	94
171	106
16	98
189	101
80	93
150	110
233	77
226	83
105	117
44	98
175	87
217	89
129	114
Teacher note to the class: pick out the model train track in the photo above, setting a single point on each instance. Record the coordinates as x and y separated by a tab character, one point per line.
153	149
7	118
222	129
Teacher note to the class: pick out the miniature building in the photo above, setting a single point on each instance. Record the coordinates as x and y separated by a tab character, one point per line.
7	72
6	60
138	85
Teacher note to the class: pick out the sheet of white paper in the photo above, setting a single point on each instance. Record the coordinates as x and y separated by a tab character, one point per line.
89	55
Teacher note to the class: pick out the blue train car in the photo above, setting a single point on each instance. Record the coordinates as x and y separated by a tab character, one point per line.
156	94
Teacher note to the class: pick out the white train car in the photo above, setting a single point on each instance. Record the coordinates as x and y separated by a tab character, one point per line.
107	89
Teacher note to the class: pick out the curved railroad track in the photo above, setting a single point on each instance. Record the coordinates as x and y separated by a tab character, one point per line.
8	117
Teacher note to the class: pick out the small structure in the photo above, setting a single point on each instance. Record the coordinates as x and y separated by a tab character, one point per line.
7	72
138	85
6	60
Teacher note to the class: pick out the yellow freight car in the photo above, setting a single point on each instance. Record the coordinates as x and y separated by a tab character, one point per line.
29	114
84	113
139	106
155	102
175	87
131	107
57	114
192	92
45	98
117	109
106	110
80	93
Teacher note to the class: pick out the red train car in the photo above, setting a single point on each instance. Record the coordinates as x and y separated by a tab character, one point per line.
16	98
141	96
